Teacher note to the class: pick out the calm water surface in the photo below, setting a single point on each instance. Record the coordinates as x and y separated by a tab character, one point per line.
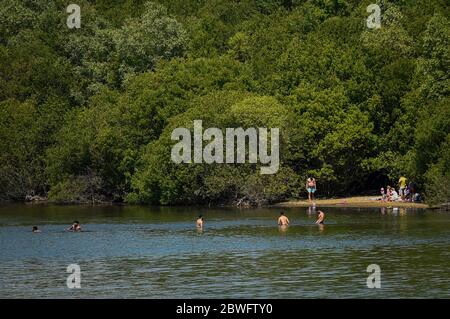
145	252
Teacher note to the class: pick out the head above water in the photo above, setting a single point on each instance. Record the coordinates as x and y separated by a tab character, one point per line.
35	228
76	222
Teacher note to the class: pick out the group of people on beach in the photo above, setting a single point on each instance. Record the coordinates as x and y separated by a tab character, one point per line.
407	192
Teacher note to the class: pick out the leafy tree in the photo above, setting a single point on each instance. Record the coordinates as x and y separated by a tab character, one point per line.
142	41
159	180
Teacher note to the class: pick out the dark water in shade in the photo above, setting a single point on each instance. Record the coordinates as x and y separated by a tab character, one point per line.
145	252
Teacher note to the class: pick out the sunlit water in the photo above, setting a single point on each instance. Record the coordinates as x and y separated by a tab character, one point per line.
142	252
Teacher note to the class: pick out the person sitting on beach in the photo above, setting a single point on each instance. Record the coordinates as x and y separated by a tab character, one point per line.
200	221
412	187
383	194
75	226
389	193
394	195
35	229
283	220
320	217
311	187
407	194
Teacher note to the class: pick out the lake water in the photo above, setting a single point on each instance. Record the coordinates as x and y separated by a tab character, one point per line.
148	252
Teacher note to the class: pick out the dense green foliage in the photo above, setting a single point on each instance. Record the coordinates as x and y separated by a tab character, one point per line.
86	114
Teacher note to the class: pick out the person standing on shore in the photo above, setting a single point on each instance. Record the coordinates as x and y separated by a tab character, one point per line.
311	188
402	184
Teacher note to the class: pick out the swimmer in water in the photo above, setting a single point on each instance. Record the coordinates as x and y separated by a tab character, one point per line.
75	226
35	229
320	217
283	220
200	222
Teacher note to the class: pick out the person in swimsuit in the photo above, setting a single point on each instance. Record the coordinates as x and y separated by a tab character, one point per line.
200	222
75	226
283	220
311	187
35	229
320	217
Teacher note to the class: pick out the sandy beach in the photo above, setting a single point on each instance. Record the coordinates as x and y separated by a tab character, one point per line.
359	201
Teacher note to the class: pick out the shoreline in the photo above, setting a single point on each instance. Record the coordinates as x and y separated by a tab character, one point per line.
356	201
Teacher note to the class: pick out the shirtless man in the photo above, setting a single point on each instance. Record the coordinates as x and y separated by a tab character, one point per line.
200	221
283	220
320	217
311	188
